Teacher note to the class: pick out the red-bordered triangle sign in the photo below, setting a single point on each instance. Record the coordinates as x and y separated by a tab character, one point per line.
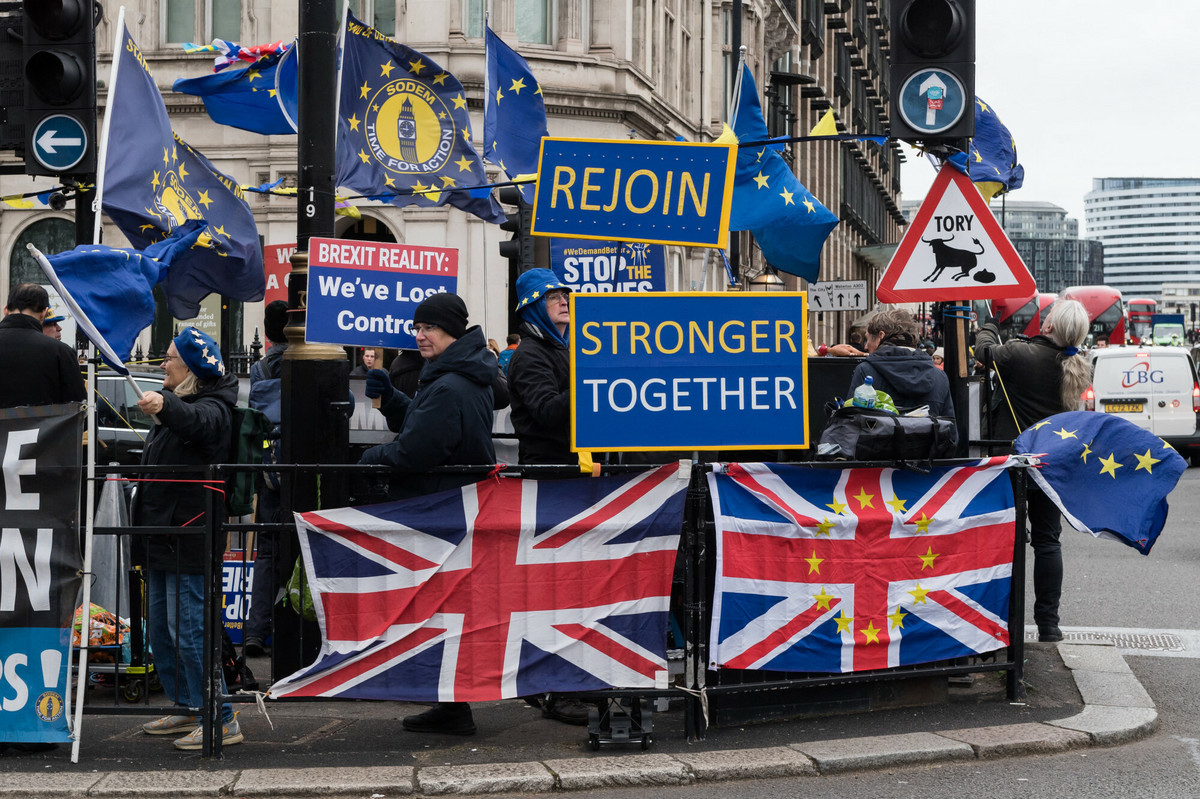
954	249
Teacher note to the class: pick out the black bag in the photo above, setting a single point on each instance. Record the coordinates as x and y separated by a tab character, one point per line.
871	434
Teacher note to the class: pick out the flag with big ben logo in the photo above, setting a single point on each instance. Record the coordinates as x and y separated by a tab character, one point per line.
154	182
404	134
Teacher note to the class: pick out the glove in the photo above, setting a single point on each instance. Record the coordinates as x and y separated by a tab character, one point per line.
379	385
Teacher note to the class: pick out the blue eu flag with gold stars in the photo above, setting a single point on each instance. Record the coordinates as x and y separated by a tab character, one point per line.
255	97
154	183
787	221
991	162
514	116
404	135
1108	476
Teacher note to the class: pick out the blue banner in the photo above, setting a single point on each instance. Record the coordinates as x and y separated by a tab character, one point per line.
696	371
642	191
39	567
363	293
609	266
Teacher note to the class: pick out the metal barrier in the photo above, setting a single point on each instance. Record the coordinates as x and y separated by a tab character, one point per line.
701	689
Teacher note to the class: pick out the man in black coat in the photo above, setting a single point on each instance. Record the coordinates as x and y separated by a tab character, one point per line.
37	369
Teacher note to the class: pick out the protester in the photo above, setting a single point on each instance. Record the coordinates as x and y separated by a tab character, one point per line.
898	366
539	372
38	370
494	348
513	341
370	356
449	421
1036	378
272	562
52	328
194	410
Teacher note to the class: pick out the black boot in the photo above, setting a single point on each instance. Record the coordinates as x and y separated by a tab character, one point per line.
448	718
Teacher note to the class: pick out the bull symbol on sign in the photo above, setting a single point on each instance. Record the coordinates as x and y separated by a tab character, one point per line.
947	257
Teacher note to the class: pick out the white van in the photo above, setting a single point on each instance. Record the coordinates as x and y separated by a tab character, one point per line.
1153	387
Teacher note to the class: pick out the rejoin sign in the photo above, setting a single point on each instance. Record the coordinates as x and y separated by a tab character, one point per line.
654	192
363	294
696	371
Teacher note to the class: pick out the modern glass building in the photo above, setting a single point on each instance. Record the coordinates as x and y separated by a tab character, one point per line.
1150	228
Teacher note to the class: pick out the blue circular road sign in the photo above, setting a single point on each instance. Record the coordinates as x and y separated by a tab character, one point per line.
932	100
59	142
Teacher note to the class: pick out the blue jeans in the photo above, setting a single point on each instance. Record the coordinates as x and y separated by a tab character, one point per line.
176	626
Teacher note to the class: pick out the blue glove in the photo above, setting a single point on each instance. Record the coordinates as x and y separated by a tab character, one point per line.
379	385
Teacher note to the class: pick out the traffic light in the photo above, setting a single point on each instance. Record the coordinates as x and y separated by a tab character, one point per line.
12	81
519	250
933	70
59	55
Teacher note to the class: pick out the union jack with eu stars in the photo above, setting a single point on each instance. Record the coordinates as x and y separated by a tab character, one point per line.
501	589
834	571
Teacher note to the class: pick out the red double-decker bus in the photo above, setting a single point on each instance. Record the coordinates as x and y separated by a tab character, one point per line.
1139	310
1016	316
1105	310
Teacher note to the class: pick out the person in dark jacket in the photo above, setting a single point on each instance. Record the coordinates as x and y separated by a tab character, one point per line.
449	421
539	378
194	411
37	369
1036	378
898	365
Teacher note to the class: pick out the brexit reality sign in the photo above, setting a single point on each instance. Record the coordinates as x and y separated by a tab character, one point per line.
954	249
641	191
363	294
695	371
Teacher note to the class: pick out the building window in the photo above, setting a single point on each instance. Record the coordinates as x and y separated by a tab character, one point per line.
200	22
381	15
51	236
534	21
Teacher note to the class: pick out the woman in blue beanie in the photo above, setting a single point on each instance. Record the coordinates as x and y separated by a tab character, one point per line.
539	373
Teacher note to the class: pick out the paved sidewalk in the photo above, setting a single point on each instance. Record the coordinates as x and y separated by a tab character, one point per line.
1079	695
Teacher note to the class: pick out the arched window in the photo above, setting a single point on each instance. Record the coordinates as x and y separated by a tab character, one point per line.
52	235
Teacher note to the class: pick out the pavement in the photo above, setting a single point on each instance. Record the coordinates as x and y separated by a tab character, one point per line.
1079	694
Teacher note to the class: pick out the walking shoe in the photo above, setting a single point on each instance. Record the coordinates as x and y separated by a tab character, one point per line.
1049	635
171	725
448	718
566	710
254	648
231	733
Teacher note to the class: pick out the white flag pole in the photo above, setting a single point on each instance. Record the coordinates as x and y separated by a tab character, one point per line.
102	152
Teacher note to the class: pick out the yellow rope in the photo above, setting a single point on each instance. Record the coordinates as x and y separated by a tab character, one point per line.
1006	399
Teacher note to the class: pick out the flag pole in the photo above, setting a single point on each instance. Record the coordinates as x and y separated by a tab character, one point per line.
104	130
340	54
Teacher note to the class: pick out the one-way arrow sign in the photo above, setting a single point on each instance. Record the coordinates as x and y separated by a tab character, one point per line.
59	142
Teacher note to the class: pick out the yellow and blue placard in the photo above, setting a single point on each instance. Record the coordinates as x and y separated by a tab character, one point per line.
609	266
645	191
695	371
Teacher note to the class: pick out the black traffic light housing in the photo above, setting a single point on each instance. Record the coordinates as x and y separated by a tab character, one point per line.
59	65
12	81
519	250
933	71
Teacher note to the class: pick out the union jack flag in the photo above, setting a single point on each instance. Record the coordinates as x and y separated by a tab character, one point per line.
825	570
501	589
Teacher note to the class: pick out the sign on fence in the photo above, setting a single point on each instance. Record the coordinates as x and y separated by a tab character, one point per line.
610	266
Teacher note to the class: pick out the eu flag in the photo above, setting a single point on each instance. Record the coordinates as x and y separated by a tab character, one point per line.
154	183
991	162
1108	476
249	98
787	221
514	116
403	125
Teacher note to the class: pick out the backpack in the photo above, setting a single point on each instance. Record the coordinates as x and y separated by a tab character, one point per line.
251	431
265	396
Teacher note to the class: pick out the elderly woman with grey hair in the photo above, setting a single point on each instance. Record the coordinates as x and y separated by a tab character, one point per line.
1037	378
898	365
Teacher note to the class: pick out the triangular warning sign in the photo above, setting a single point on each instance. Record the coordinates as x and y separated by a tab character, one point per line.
954	250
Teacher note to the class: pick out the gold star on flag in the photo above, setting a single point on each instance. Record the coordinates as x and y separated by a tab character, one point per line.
466	135
1110	465
1146	462
363	91
419	188
253	74
388	180
823	599
183	173
897	618
871	632
464	164
825	526
440	78
1064	433
220	231
270	92
499	96
814	563
927	559
517	85
144	228
447	182
155	181
865	500
1040	424
923	524
809	205
539	89
415	67
204	199
441	114
166	156
760	154
982	105
787	197
896	504
761	180
837	507
918	594
363	155
843	622
385	69
354	120
460	102
174	153
1087	450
